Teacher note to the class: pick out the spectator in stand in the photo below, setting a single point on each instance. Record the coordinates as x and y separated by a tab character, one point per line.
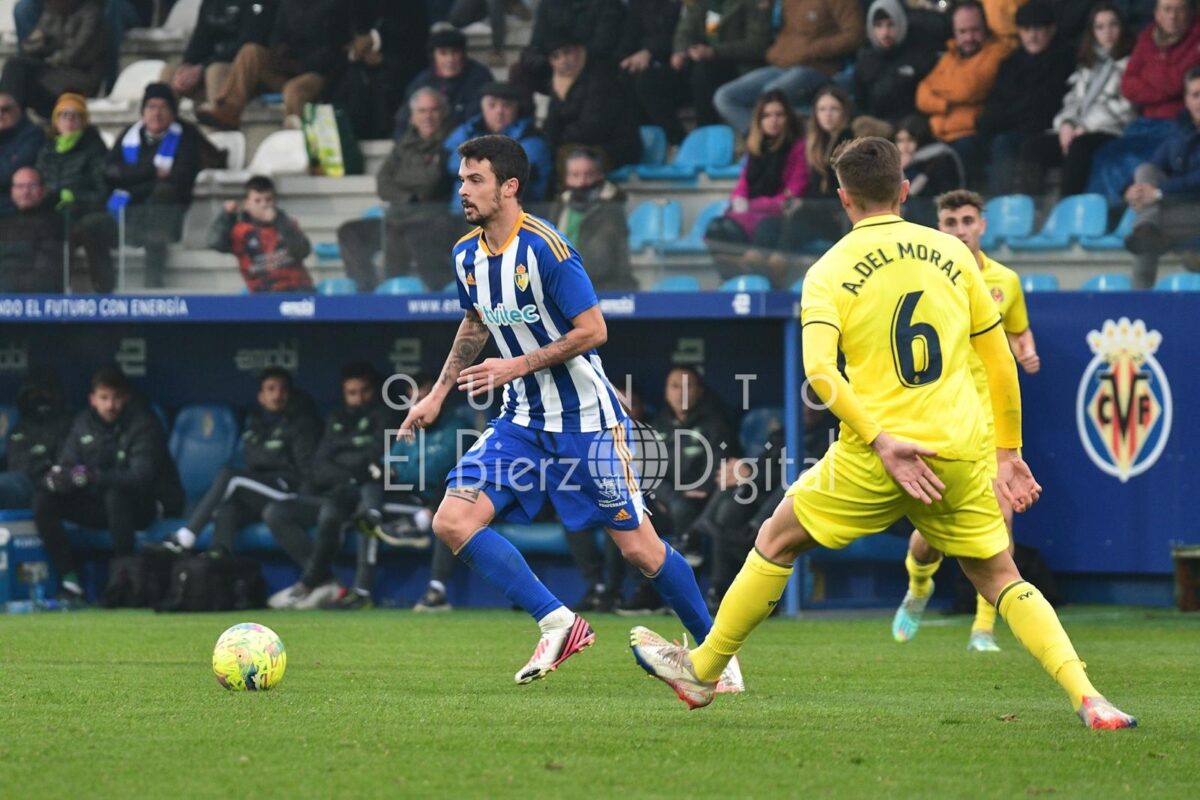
222	27
278	443
269	246
888	69
500	112
1163	54
596	24
152	172
345	482
72	164
590	212
66	52
645	60
1166	194
953	93
816	38
930	167
20	141
819	216
1001	18
589	107
452	73
774	176
304	57
1027	94
386	53
31	241
34	442
465	12
114	473
119	16
1094	111
414	185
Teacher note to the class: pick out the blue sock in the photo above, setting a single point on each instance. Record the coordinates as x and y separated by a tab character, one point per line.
503	566
676	583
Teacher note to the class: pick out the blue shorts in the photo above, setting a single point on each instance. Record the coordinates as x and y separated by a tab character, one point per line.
588	477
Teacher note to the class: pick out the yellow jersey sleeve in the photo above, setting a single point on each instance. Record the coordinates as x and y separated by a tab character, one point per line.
984	314
1016	317
817	303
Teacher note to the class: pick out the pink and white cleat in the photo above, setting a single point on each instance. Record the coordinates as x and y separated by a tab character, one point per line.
731	681
1101	715
555	647
671	664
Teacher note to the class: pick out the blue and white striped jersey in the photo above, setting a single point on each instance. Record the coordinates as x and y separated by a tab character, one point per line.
527	294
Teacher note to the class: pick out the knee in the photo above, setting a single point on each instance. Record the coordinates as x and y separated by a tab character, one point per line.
452	529
250	54
274	515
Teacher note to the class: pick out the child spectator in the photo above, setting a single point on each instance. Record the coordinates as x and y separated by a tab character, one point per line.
269	245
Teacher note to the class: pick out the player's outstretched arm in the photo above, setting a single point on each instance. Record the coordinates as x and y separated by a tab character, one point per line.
588	332
468	344
992	348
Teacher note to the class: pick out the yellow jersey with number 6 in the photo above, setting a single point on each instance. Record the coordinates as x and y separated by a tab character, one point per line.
906	300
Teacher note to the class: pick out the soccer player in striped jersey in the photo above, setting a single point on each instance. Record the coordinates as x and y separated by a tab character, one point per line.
562	434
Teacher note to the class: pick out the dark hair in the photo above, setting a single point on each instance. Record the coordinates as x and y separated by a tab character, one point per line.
881	15
916	126
504	153
869	170
968	4
820	143
261	184
956	199
755	140
277	373
1191	75
1087	43
360	371
110	376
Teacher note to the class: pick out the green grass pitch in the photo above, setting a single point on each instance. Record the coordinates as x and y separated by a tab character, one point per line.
387	703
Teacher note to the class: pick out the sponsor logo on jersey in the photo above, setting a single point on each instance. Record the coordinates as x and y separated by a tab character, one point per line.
521	277
998	295
503	315
1123	406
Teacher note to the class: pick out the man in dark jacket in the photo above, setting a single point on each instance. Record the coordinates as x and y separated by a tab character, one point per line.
114	472
346	480
20	141
31	249
500	113
887	71
589	108
596	24
414	184
1028	92
590	212
269	246
305	55
152	171
1165	194
67	52
222	27
452	73
34	442
278	443
645	60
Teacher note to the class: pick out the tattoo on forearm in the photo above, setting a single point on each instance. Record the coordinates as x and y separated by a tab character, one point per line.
468	344
553	354
468	493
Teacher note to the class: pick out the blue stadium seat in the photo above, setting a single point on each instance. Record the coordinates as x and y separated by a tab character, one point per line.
1179	282
401	284
756	426
1114	240
706	146
654	222
727	173
1108	282
1007	216
1039	282
798	286
374	212
677	283
327	251
201	443
8	419
451	287
693	241
747	283
1073	218
271	98
654	152
337	286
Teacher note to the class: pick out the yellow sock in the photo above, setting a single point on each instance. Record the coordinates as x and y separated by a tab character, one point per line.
1037	628
985	615
749	601
920	576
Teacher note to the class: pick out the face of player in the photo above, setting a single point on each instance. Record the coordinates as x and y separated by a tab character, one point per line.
273	395
829	113
448	62
1035	40
965	223
108	403
357	392
885	33
498	113
968	31
260	205
157	116
1191	99
1106	28
426	115
683	391
1173	17
773	119
569	61
481	194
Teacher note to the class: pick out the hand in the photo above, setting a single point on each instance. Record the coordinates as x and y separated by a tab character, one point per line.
637	62
163	172
81	476
740	205
905	462
1140	195
700	52
66	198
424	413
1015	481
230	206
678	61
491	373
186	78
58	480
733	472
361	46
1030	362
1066	135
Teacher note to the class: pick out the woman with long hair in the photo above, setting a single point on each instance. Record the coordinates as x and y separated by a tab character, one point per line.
818	217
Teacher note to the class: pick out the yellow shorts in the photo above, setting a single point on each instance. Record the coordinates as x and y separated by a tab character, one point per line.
848	495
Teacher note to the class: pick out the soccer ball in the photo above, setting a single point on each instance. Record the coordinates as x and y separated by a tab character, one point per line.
249	657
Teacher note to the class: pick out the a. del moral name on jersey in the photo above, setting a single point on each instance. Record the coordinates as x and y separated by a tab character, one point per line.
504	315
1123	406
878	259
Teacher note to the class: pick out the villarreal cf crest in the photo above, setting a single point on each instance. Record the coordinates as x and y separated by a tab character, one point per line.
1123	407
521	277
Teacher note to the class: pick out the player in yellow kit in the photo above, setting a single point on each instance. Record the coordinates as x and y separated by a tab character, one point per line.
906	304
960	214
